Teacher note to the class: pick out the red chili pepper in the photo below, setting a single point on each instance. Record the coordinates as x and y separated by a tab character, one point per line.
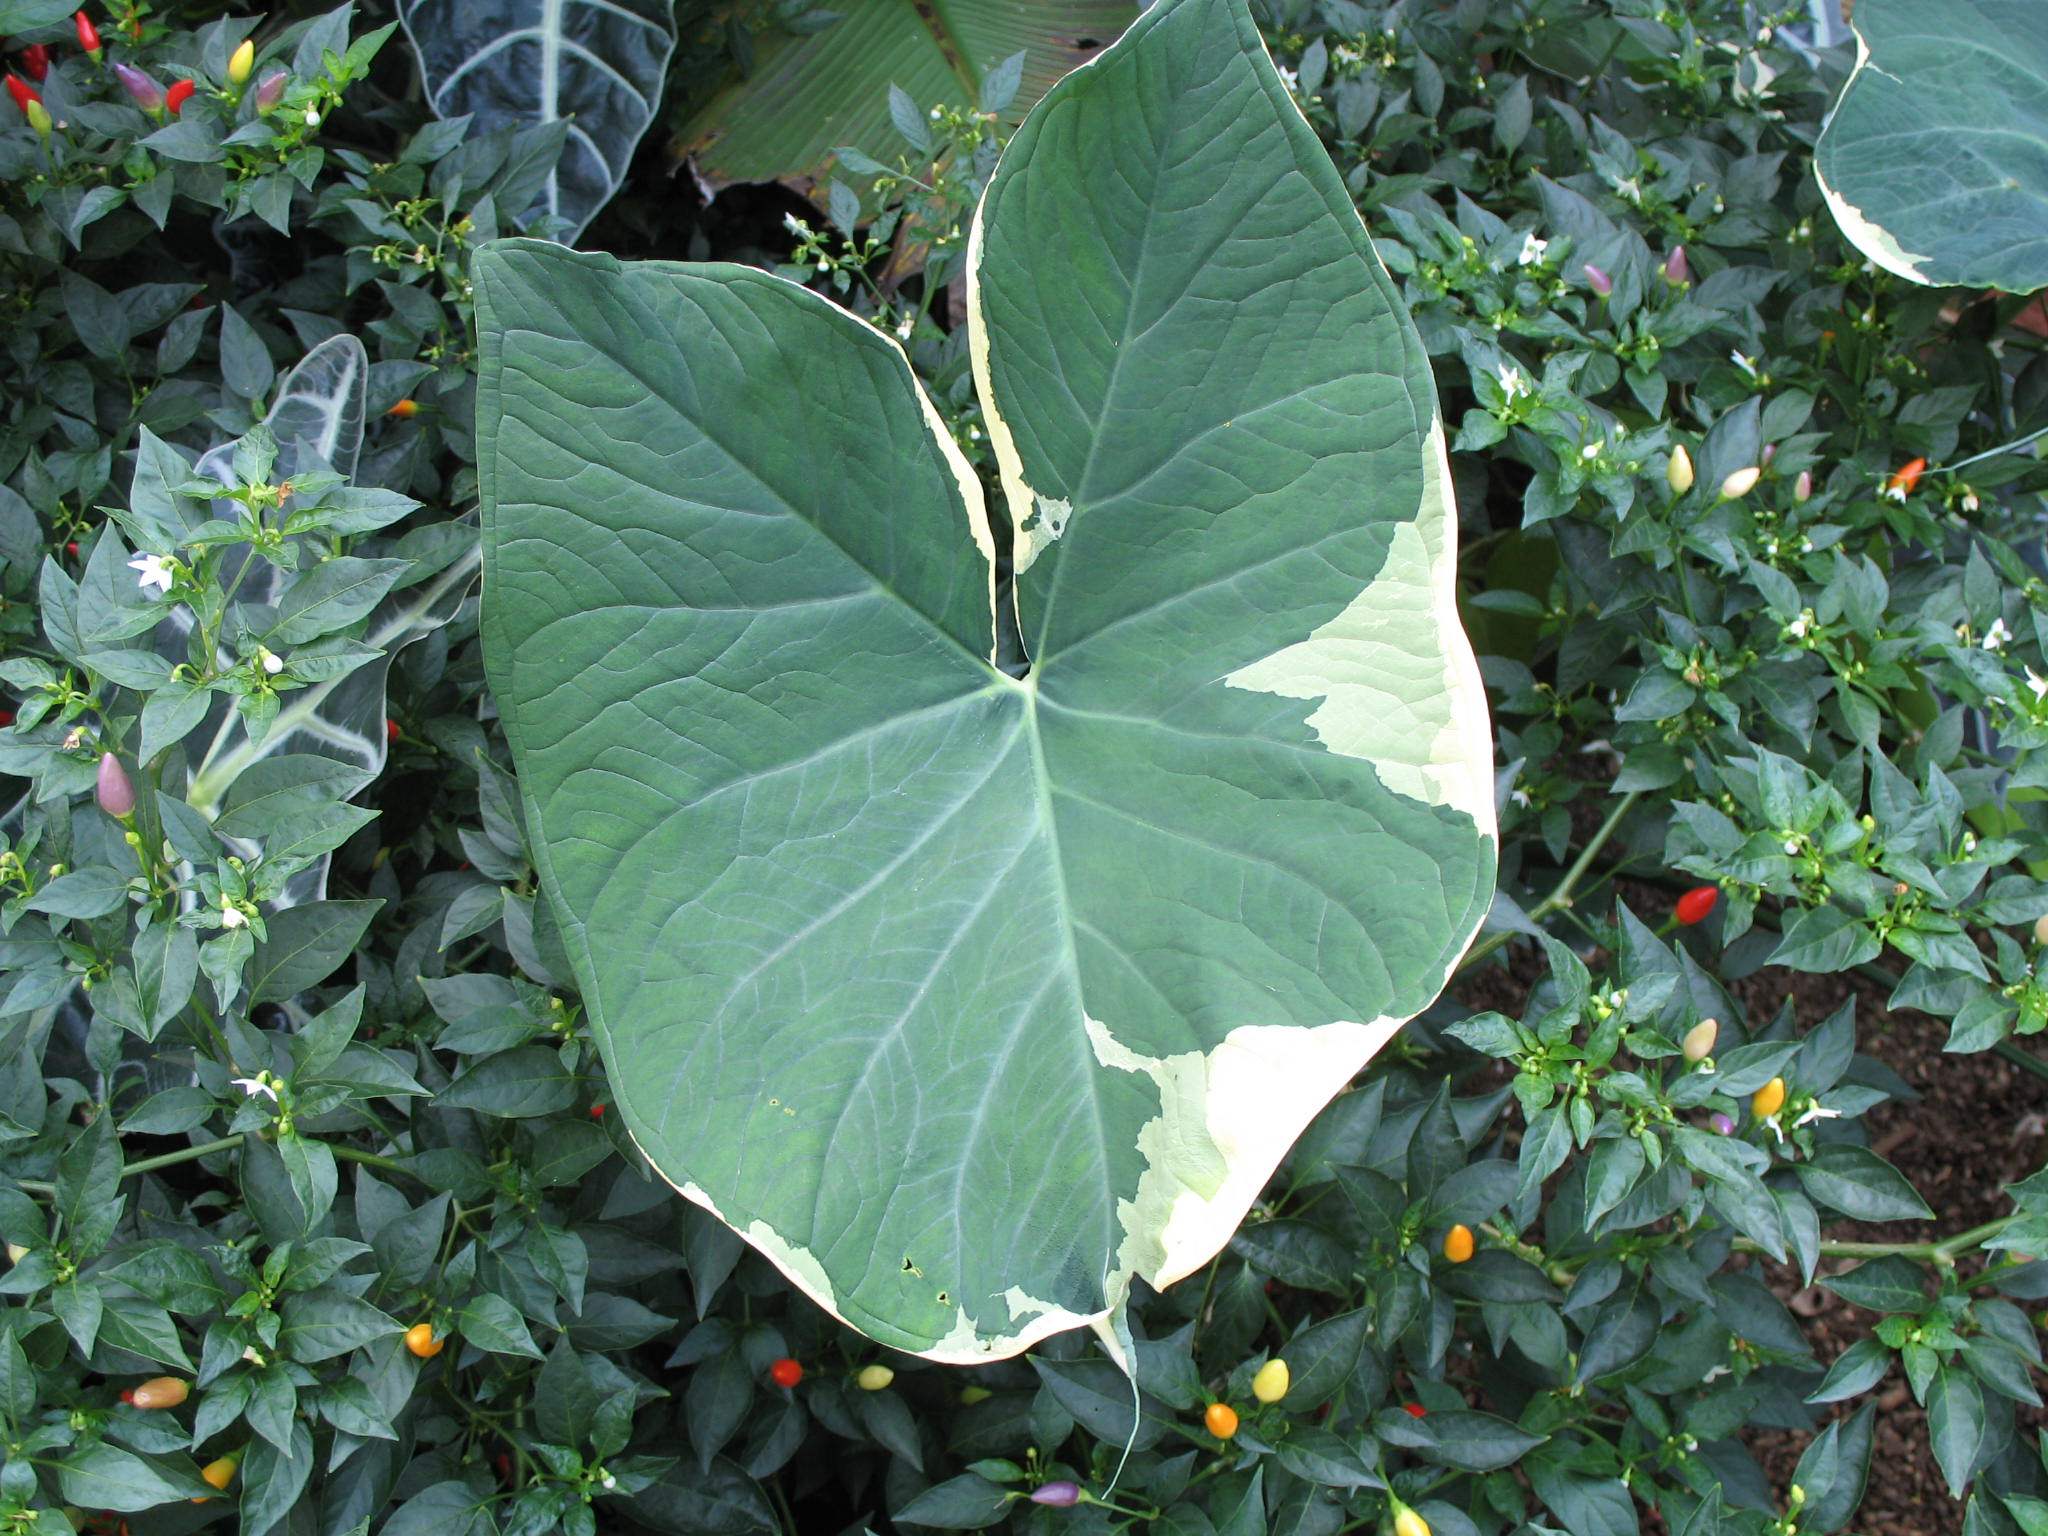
35	58
785	1372
1694	906
22	92
597	1111
1416	1410
179	93
88	34
6	718
1906	477
390	729
71	549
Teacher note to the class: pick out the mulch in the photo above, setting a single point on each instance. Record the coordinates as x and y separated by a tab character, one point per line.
1979	1124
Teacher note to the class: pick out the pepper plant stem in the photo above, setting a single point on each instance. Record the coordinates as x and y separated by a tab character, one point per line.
1561	896
224	1144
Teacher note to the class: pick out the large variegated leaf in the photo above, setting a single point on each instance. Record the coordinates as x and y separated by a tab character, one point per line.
807	95
596	65
966	996
1935	158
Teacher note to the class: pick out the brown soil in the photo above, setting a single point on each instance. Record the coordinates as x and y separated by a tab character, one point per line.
1981	1123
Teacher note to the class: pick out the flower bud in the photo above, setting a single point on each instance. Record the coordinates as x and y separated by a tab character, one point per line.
241	61
147	93
1802	488
1741	483
1678	472
1060	1495
114	793
1676	271
270	90
1272	1381
1599	281
1698	1044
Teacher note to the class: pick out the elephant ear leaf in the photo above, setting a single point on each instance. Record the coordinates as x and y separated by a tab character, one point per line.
967	992
593	68
1932	159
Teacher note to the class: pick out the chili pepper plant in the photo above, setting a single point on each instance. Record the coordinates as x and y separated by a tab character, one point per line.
317	1213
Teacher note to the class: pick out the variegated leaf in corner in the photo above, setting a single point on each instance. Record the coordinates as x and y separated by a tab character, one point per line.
595	66
1934	160
969	993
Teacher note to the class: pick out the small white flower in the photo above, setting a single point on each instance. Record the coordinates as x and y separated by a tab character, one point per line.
1520	797
1512	384
1629	190
253	1086
312	117
795	226
272	662
2039	685
608	1482
1715	1374
1792	845
158	571
1591	450
1816	1112
1970	502
1997	634
904	329
1799	627
1291	80
232	916
1532	250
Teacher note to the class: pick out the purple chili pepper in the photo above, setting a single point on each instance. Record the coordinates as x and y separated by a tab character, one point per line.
1600	282
1676	272
147	93
115	794
1058	1495
1722	1124
270	90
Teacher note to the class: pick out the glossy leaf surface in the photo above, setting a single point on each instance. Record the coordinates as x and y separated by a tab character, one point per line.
596	65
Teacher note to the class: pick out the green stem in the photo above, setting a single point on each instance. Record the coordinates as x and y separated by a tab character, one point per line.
1561	897
2025	1060
1944	1252
224	1144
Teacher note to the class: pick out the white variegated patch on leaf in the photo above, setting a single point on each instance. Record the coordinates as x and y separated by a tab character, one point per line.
968	997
